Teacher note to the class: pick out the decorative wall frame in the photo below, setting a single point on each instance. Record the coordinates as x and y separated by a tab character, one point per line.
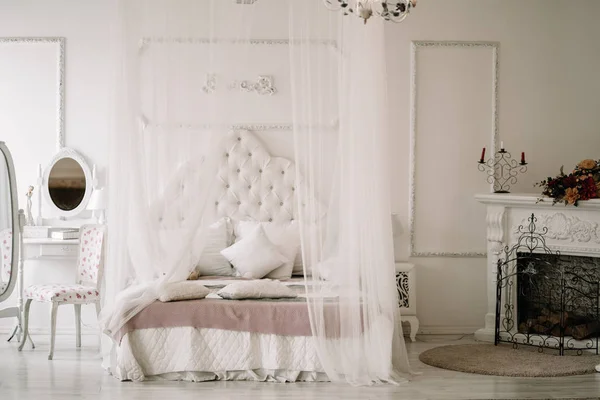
210	85
59	42
494	139
146	41
334	125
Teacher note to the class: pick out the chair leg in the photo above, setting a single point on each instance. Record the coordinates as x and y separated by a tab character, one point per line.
25	334
78	324
52	329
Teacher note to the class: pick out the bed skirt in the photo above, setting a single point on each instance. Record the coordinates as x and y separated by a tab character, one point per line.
258	375
206	354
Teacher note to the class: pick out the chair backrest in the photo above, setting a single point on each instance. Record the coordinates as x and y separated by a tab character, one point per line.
90	264
6	254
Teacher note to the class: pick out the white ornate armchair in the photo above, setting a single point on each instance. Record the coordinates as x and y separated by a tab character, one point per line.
90	267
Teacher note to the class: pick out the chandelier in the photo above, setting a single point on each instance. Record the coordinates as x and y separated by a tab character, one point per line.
389	10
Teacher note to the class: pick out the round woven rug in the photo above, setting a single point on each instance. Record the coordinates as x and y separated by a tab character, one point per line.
487	359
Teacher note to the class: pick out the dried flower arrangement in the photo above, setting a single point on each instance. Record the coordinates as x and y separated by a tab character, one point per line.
581	184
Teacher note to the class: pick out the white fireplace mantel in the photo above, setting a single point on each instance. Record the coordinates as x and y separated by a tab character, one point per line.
571	230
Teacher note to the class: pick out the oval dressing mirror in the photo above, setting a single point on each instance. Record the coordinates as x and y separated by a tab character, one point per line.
67	183
8	224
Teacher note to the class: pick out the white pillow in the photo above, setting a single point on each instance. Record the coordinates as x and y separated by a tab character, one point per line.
212	262
285	236
255	256
261	289
186	290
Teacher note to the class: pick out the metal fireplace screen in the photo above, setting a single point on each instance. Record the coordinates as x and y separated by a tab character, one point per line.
545	299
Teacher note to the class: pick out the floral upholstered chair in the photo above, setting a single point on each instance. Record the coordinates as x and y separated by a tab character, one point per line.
90	266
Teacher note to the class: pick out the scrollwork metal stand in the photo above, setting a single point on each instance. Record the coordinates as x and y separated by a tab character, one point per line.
502	170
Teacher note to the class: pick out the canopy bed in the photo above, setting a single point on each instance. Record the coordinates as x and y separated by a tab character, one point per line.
294	258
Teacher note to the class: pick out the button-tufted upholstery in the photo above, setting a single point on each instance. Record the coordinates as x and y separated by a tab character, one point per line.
254	185
251	185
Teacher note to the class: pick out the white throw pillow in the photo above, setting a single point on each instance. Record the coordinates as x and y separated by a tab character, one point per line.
212	262
186	290
261	289
255	255
285	236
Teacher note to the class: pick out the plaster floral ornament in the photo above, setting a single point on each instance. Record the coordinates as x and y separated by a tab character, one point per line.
581	184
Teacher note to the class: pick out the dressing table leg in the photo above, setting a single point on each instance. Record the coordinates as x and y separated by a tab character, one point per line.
52	329
97	304
26	326
78	324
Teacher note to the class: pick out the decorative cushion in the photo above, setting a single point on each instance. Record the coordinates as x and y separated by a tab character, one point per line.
260	289
186	290
285	236
255	256
212	262
62	293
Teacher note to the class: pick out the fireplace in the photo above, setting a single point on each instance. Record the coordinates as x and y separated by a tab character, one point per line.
570	231
546	299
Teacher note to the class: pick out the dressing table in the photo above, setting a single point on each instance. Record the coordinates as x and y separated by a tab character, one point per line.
65	189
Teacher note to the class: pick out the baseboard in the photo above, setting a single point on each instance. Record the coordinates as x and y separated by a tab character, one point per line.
37	331
448	329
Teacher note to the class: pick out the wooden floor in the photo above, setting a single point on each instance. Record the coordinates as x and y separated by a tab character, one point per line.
76	374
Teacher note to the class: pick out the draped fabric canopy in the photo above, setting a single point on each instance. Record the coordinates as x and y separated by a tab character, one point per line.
308	83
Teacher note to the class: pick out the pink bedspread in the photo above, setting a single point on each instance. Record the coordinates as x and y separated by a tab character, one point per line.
287	318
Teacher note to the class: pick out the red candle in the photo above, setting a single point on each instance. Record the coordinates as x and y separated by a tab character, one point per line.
523	158
482	155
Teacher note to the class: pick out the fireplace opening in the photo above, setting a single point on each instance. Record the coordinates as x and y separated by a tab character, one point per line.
545	299
558	295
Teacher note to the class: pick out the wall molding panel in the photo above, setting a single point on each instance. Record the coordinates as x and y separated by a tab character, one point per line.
492	141
59	42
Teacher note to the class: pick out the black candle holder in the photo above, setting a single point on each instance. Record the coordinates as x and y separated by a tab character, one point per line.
502	170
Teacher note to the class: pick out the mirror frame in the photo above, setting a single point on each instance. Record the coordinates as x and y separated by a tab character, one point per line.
66	152
16	226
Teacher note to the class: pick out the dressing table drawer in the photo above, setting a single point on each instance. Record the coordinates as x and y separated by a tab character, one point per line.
58	250
50	248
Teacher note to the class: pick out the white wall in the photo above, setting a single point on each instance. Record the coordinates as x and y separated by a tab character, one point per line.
86	27
548	108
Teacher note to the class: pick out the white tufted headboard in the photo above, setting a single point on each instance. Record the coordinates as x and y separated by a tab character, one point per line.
254	185
251	185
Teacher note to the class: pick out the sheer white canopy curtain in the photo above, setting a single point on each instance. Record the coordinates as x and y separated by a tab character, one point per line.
178	59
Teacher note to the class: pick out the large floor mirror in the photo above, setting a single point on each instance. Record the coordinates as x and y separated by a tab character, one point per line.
10	228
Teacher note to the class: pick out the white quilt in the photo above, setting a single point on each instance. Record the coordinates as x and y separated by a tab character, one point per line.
172	352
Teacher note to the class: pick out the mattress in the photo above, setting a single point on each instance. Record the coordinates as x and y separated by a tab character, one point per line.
187	353
206	353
